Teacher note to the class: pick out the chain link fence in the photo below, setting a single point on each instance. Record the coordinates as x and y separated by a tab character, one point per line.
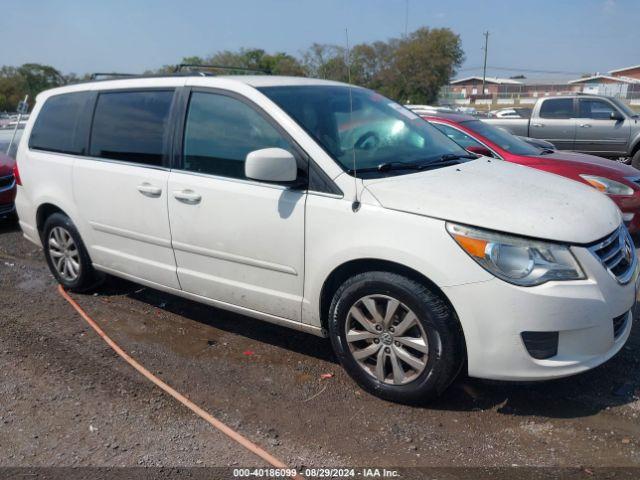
527	95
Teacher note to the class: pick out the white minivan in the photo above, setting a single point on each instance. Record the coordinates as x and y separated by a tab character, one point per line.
332	210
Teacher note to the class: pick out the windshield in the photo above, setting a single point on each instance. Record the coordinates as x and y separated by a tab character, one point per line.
362	125
502	138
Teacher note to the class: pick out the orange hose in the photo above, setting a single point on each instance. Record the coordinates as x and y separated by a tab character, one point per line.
228	431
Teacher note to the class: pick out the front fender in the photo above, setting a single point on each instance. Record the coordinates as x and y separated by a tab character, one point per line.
336	235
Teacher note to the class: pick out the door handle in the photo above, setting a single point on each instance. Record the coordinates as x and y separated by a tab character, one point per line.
149	190
585	125
537	124
187	196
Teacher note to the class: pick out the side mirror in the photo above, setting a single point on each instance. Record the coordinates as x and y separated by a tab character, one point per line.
617	116
480	150
271	165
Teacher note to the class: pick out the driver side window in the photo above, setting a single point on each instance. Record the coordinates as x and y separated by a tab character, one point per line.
462	139
596	109
219	133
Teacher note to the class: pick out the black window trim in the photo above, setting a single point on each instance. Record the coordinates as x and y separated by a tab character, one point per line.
304	160
166	139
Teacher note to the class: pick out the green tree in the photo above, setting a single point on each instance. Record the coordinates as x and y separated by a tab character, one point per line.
38	77
326	62
28	79
423	62
408	69
279	63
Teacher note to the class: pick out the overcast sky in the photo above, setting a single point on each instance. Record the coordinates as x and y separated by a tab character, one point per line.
134	35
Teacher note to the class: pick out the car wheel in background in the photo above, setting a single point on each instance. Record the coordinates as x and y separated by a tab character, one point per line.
635	160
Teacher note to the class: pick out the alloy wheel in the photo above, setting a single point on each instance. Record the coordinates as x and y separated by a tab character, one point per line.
64	254
386	339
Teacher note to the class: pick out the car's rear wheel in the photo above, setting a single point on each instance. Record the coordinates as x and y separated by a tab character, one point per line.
635	160
66	254
395	337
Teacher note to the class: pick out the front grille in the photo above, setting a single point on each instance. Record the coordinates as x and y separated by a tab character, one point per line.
6	182
617	254
618	324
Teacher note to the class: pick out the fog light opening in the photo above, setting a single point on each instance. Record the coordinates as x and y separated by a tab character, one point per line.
541	345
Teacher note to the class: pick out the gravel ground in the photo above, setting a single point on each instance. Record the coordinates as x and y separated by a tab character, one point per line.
68	400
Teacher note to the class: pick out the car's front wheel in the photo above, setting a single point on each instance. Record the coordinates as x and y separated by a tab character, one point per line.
395	337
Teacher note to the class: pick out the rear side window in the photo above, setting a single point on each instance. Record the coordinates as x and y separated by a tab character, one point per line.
62	124
557	108
131	126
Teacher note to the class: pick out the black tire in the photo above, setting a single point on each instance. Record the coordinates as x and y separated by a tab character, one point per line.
87	277
445	338
635	160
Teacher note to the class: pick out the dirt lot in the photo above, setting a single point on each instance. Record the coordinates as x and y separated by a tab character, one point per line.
68	400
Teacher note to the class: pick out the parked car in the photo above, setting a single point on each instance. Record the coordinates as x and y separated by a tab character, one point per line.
6	135
621	182
7	186
592	124
536	142
422	109
253	194
516	112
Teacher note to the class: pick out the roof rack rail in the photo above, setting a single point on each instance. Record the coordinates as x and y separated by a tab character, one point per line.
196	66
95	76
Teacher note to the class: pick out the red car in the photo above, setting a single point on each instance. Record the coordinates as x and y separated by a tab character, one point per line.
7	186
620	182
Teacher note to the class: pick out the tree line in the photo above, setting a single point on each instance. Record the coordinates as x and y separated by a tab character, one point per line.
408	69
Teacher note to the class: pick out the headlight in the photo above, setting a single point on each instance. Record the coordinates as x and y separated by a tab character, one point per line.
517	260
608	186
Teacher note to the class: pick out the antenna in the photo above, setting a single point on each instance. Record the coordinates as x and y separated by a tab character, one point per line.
356	203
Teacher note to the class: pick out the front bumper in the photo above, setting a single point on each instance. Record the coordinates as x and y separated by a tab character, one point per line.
7	195
494	314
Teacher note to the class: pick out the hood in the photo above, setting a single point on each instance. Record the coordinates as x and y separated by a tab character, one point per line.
588	161
505	197
6	165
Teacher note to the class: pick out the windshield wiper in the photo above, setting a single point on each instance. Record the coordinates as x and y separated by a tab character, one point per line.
547	151
447	158
387	166
456	156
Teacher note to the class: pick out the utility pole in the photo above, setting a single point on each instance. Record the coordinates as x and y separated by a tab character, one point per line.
406	18
484	68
